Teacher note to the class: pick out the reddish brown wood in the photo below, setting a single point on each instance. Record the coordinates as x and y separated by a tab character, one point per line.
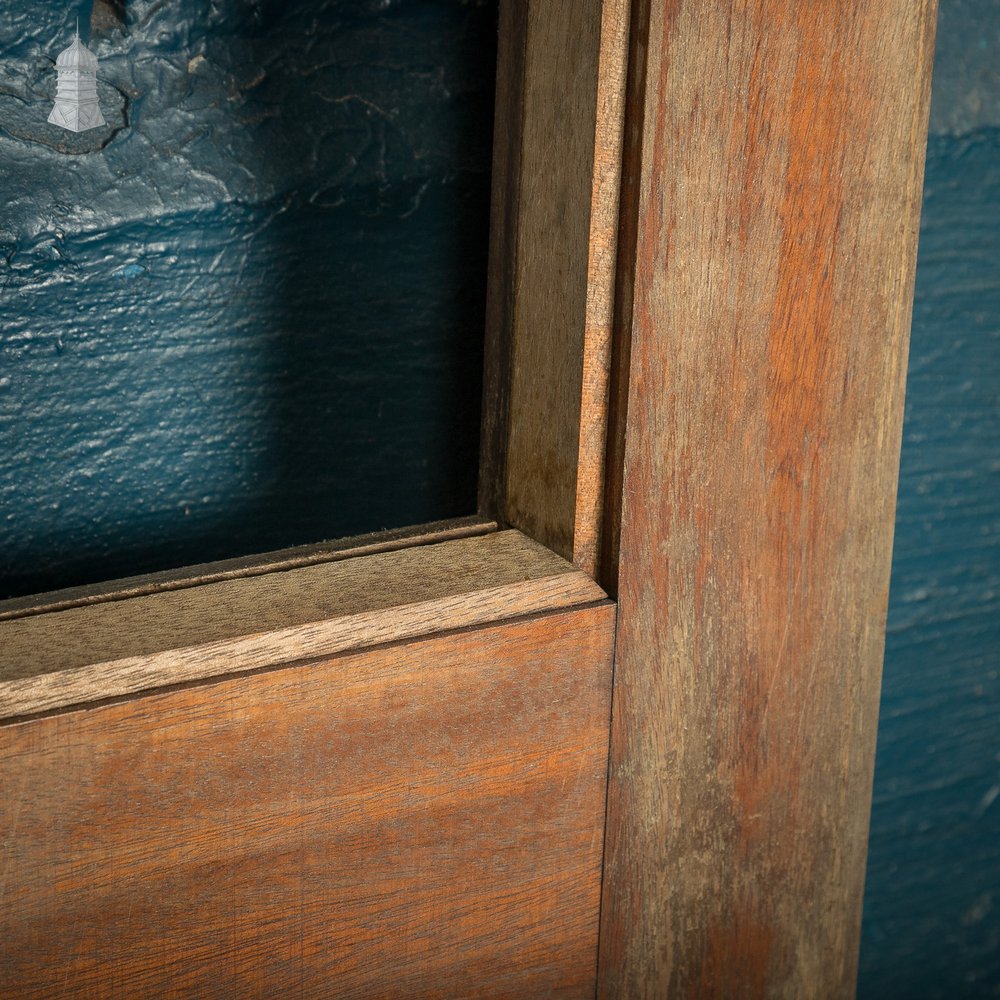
418	820
557	163
775	232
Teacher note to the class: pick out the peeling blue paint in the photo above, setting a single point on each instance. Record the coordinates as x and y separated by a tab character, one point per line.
250	317
130	271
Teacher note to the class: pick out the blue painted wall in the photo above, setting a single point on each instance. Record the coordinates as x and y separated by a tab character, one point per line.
931	925
248	313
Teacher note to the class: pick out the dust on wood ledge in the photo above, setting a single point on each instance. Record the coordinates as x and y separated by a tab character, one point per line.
93	653
255	565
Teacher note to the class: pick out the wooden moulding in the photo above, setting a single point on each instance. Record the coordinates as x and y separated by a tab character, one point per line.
96	652
424	819
557	167
255	565
776	209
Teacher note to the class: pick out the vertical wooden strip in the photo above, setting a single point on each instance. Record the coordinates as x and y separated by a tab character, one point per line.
776	220
551	277
612	63
505	199
625	260
556	194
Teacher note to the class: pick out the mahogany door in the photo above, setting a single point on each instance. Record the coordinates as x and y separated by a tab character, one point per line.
381	767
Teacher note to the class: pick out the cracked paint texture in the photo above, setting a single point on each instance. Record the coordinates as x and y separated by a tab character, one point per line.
247	313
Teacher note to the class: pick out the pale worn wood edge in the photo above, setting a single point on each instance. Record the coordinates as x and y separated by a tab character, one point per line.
919	124
246	566
118	678
633	115
601	285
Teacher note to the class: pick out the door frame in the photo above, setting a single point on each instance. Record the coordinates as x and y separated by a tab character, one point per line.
703	241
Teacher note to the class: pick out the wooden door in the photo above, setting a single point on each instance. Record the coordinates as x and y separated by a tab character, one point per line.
381	767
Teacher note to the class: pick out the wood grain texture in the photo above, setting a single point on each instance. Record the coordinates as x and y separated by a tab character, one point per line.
504	203
255	565
621	320
556	191
780	175
422	820
110	650
606	177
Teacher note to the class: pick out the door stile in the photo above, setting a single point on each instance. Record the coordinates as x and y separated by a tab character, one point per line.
774	208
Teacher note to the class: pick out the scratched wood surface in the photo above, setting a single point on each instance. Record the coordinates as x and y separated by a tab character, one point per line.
781	160
555	214
99	651
419	820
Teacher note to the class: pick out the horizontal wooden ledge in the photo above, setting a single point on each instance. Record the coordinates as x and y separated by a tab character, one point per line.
255	565
97	652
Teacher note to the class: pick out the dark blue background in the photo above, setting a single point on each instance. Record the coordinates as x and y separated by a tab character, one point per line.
247	314
931	926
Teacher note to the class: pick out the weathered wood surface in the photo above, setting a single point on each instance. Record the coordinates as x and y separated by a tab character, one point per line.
94	652
504	203
606	176
781	160
255	565
419	820
555	216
